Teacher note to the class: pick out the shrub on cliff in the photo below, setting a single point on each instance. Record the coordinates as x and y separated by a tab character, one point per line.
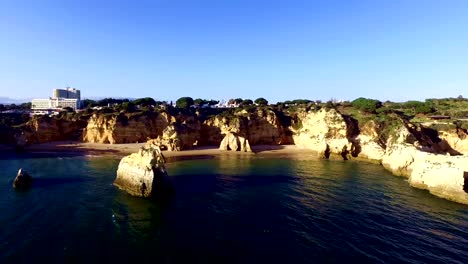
419	107
366	105
184	102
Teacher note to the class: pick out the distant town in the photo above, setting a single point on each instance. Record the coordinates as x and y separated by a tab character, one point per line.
69	99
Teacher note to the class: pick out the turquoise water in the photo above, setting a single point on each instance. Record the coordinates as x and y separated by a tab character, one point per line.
246	209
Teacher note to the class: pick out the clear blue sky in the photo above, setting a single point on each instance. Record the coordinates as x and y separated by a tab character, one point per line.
220	49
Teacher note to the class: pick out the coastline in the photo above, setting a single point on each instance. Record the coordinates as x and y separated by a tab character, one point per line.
58	147
450	191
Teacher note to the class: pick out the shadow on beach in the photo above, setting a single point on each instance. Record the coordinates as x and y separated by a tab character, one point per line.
57	149
264	148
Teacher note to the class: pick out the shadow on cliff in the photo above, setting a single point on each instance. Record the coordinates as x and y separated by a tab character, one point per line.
352	132
465	181
429	140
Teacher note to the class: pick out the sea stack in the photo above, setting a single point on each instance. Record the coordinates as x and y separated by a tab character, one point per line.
23	180
142	174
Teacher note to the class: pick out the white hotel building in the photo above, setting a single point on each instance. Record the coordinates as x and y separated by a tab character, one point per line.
68	97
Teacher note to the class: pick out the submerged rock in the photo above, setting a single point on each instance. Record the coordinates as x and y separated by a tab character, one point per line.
23	180
142	174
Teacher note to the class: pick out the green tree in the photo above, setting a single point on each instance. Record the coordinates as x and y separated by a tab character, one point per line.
146	101
301	101
198	102
366	105
184	102
246	102
261	101
238	100
88	103
128	107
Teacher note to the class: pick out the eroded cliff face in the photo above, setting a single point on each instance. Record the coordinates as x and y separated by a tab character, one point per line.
182	134
442	175
369	142
324	131
125	128
259	127
452	135
428	158
46	129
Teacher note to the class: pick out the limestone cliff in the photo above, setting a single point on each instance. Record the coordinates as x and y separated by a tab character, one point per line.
324	131
260	126
180	135
452	135
43	129
125	127
143	173
428	154
443	175
368	142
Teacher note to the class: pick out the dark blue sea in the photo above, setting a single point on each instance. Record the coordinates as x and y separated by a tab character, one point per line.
228	209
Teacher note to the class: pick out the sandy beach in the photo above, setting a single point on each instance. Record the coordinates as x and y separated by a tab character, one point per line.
125	149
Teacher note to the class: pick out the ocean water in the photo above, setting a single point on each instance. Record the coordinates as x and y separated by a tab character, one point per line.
244	209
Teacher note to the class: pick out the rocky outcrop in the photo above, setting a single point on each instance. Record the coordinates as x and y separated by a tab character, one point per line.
452	135
23	180
235	143
367	143
403	148
143	173
444	176
261	126
427	163
43	129
324	131
126	127
178	137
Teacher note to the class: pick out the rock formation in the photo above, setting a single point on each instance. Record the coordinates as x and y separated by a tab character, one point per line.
23	180
235	143
43	129
180	135
428	154
261	126
324	131
452	135
443	175
143	173
367	143
125	128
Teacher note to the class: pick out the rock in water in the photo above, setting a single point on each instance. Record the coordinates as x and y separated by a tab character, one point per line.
23	180
143	173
